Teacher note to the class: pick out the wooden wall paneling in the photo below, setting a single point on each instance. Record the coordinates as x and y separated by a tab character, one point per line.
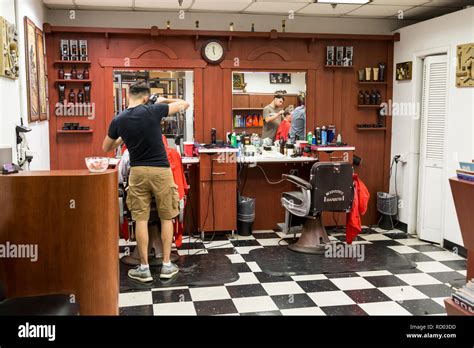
311	98
241	100
198	105
213	103
388	119
226	113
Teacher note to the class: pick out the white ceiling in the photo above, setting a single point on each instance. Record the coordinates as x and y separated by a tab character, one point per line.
410	9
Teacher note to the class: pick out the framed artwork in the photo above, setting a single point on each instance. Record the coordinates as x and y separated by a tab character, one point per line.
280	78
404	71
465	65
42	79
238	82
32	88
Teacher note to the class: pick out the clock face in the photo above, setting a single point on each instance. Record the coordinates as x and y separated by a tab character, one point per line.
214	51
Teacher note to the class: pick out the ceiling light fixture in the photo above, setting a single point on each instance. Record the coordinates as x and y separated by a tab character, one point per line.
346	2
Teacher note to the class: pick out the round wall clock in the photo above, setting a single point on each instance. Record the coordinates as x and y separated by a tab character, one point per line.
213	51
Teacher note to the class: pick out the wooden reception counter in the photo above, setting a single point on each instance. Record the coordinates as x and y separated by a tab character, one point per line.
463	191
72	219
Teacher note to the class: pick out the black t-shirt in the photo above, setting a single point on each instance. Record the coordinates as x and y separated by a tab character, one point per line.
140	129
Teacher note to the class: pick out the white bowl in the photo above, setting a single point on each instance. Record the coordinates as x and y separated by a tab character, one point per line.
97	164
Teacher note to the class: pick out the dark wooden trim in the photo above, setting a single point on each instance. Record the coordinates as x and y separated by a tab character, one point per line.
273	34
153	47
254	55
401	226
268	64
152	63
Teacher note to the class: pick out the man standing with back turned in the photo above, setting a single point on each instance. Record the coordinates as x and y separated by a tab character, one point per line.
139	127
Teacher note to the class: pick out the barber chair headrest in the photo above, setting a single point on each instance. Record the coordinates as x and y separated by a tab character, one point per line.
333	187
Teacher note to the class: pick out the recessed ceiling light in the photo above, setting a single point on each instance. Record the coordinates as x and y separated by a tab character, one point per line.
352	2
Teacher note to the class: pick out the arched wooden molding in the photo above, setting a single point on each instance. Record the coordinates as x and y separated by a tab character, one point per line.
140	51
254	55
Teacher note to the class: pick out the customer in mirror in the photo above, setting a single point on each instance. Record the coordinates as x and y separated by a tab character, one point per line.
150	175
272	116
298	122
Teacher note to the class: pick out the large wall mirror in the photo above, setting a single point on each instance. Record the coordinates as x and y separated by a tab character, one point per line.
253	91
168	84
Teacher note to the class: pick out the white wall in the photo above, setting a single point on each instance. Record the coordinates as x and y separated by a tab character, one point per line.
13	100
221	21
259	82
38	138
9	91
436	36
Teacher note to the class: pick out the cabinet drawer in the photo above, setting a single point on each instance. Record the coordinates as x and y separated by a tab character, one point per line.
335	156
212	169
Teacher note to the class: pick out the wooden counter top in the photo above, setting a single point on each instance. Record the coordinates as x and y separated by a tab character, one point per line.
44	173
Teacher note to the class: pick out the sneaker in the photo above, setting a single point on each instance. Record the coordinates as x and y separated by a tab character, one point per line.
140	274
168	272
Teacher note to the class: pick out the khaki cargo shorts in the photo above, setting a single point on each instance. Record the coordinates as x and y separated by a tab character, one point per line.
148	182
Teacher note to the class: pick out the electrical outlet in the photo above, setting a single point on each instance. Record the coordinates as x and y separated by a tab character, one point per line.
294	172
403	158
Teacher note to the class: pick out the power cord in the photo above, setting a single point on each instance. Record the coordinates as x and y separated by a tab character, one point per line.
268	180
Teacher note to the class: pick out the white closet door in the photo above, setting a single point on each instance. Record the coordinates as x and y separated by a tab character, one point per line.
433	149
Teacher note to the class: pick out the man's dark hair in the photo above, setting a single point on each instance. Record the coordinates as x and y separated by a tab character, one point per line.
301	100
279	95
140	89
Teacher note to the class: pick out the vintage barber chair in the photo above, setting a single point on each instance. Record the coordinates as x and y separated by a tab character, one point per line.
331	189
37	305
155	246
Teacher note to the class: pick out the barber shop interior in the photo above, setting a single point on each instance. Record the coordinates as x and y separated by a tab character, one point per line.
241	158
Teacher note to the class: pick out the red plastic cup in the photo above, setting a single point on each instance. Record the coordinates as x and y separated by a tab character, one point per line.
188	149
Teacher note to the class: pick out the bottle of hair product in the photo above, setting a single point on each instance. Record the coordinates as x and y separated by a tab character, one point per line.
74	73
72	96
233	140
61	73
324	136
309	137
80	97
318	136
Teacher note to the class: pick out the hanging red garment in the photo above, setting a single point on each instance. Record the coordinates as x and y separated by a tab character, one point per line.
180	180
359	208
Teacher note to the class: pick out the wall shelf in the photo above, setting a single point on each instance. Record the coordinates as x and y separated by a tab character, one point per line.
338	67
253	127
72	62
373	83
372	129
73	81
62	131
244	109
370	106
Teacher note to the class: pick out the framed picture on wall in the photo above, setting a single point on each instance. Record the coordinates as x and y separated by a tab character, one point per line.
403	71
42	79
238	82
276	78
32	89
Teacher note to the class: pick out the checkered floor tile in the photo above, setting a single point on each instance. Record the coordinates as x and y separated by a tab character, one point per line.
418	291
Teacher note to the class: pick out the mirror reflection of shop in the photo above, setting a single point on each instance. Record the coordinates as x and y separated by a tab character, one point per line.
253	91
167	84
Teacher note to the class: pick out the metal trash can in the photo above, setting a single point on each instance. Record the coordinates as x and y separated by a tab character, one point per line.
387	205
245	215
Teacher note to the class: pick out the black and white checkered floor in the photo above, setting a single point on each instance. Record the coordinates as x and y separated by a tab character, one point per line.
419	291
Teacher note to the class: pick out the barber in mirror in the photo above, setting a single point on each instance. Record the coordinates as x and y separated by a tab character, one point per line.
272	116
298	122
150	175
